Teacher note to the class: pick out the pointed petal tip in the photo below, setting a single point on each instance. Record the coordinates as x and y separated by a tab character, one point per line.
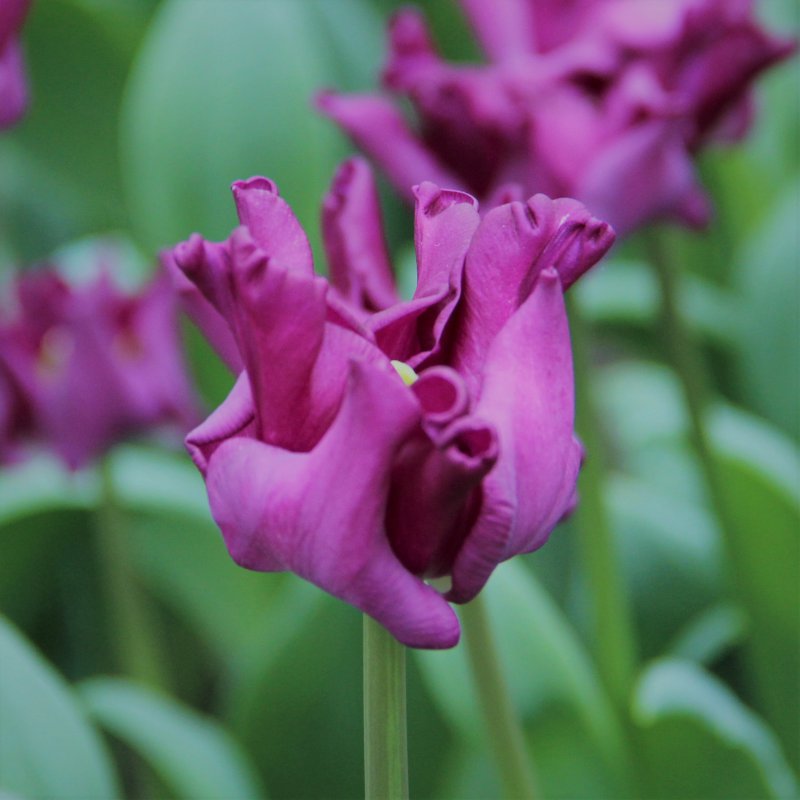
349	172
190	254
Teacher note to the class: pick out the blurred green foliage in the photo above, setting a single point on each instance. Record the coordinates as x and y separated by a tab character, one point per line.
143	113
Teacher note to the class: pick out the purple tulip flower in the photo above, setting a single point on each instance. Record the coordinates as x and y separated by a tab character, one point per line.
323	460
13	89
82	368
607	101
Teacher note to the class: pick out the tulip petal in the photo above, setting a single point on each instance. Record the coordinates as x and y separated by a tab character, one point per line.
234	417
445	222
273	225
352	230
207	318
296	360
528	394
511	247
13	86
653	175
504	27
378	128
321	514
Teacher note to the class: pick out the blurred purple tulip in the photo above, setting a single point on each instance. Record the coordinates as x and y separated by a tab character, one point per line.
13	89
323	461
607	101
86	367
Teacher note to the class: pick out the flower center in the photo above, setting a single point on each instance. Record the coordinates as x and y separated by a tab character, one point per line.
405	372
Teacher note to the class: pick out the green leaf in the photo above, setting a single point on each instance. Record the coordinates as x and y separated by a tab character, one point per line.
219	92
193	755
47	746
146	479
760	478
69	181
710	634
40	484
769	324
671	556
624	292
553	684
700	741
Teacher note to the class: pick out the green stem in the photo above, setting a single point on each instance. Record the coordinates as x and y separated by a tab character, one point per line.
131	634
687	361
613	634
385	738
503	728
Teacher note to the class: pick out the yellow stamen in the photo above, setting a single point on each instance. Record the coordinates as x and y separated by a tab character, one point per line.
405	372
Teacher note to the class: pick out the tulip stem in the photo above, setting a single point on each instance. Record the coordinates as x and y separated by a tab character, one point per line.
503	727
131	634
687	361
612	633
385	738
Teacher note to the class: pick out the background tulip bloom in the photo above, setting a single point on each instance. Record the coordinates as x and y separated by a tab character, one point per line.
90	365
323	460
604	100
13	89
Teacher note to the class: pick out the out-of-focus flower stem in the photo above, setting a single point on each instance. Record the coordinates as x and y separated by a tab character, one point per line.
687	362
385	737
130	625
503	728
613	637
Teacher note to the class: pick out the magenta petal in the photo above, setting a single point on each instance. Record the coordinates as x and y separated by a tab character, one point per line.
503	27
379	129
321	514
528	395
435	494
13	87
213	325
279	311
410	47
511	247
272	224
148	358
235	417
352	229
445	222
653	176
282	311
207	266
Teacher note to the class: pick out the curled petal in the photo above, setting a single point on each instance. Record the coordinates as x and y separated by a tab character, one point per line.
445	222
528	395
272	224
235	417
435	494
207	266
443	397
321	514
213	325
296	359
352	229
512	246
